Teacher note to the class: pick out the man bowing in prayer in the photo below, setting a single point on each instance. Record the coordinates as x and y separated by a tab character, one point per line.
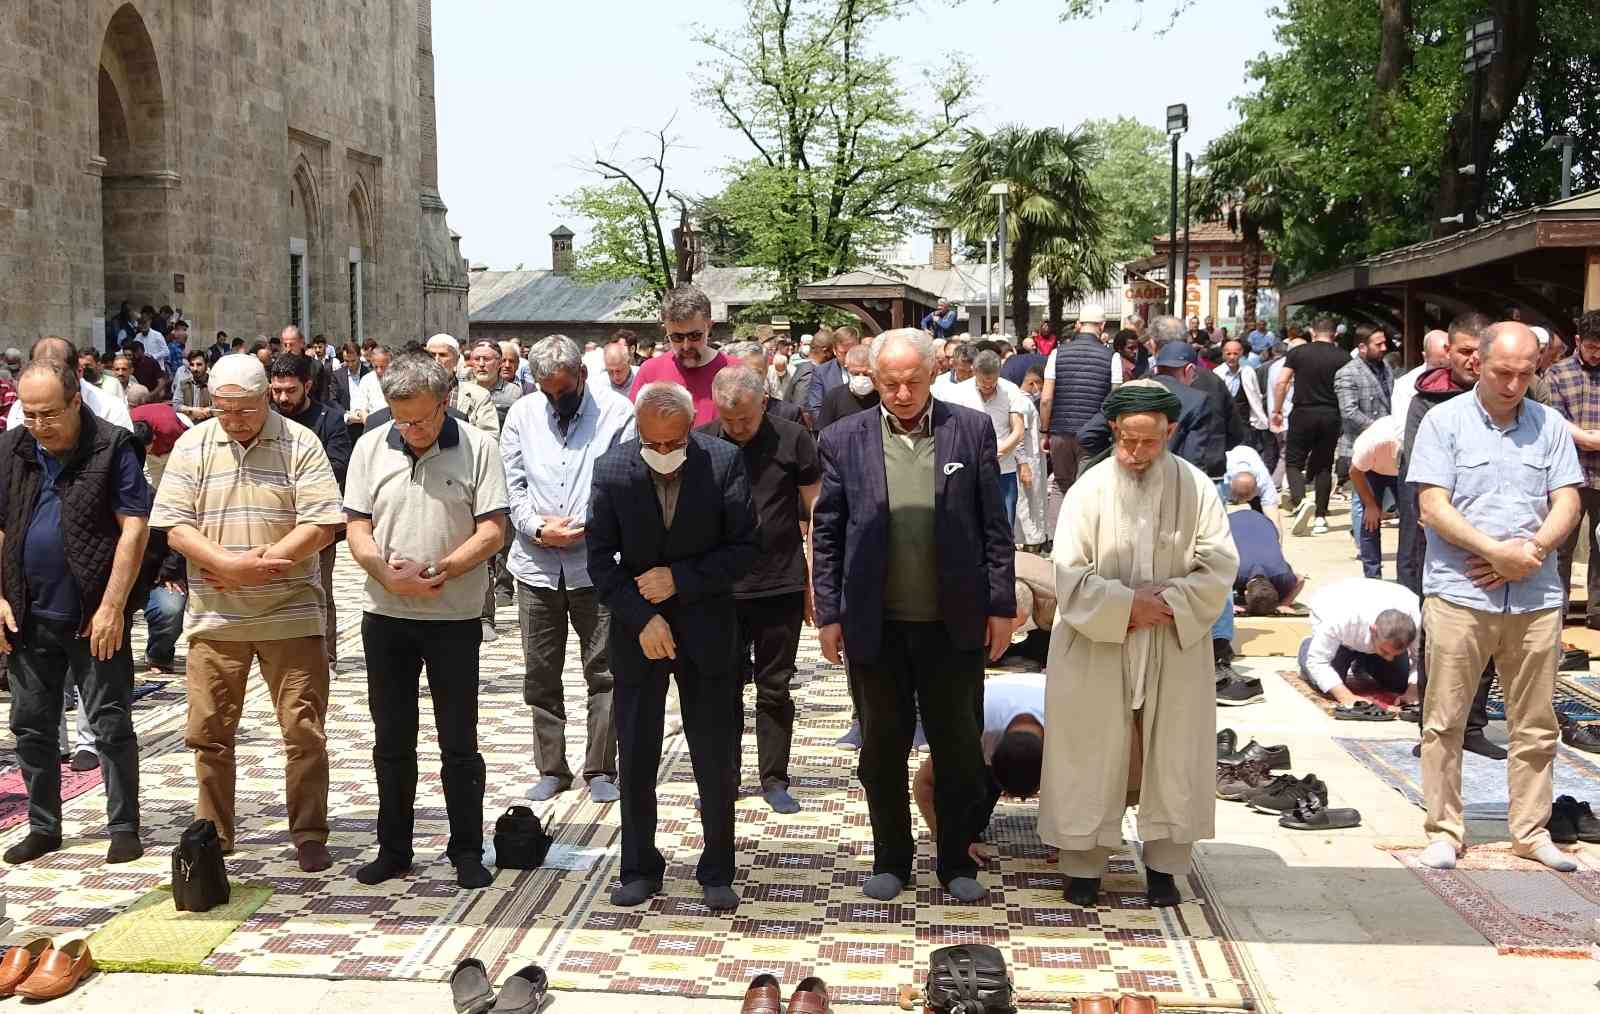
1144	563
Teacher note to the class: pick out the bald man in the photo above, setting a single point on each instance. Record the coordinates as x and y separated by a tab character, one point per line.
1497	477
1435	353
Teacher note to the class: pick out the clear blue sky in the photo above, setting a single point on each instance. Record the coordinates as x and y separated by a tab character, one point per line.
529	89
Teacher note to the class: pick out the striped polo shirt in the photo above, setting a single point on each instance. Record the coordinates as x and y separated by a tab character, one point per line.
241	498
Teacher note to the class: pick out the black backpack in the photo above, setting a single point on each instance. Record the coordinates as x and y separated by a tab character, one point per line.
199	878
520	842
968	979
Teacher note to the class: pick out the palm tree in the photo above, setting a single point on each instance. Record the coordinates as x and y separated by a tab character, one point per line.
1247	185
1071	271
1047	172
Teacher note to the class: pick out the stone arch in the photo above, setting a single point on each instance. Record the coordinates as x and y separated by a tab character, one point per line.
362	253
304	229
134	160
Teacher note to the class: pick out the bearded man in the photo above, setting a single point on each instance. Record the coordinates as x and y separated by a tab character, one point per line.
1144	564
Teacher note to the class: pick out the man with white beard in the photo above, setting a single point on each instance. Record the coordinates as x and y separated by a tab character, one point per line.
1144	563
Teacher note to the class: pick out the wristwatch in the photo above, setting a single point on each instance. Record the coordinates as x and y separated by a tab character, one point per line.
538	535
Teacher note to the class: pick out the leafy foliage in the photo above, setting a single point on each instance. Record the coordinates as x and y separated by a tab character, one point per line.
843	165
620	245
1129	172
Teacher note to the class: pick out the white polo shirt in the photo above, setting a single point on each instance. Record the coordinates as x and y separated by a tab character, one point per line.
1008	398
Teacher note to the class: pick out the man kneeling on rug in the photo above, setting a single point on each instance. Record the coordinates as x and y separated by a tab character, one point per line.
1364	625
1013	750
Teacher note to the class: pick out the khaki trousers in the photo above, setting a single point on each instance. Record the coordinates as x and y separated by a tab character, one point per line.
296	671
1526	648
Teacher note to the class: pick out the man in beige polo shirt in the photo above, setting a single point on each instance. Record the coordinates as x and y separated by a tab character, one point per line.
249	499
426	501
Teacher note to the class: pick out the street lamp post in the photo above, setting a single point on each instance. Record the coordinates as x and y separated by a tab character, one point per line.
1000	190
1177	123
1188	173
1483	42
1564	143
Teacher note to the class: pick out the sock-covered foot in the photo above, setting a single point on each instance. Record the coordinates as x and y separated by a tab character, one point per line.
1083	891
967	890
720	898
31	848
1161	889
635	892
603	790
85	760
383	868
851	738
313	857
125	847
883	887
471	874
1483	746
545	788
1553	858
779	799
1439	855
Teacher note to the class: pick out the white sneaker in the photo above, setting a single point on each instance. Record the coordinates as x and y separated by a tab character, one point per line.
1320	527
1302	518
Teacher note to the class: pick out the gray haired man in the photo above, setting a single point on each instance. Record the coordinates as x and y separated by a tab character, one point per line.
426	503
549	445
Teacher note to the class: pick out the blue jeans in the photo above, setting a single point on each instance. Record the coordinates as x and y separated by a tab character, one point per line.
1370	544
1222	630
163	611
1008	495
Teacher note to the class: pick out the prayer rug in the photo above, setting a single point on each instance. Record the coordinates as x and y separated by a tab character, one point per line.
153	936
799	876
1518	905
1483	781
1326	703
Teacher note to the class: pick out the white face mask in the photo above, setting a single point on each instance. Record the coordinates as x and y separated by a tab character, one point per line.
860	385
665	464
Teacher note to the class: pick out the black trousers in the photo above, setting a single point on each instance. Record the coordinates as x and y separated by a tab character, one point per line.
1313	438
919	669
1409	557
713	719
769	630
396	651
46	658
1265	443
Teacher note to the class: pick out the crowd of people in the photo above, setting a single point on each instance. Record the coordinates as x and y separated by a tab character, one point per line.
686	507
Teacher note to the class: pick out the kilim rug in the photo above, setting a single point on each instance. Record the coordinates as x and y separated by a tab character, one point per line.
801	909
153	936
1326	703
1483	781
1518	905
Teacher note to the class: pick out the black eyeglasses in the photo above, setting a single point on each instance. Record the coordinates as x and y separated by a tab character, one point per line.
686	336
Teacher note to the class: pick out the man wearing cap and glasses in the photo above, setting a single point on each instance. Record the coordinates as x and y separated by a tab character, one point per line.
249	499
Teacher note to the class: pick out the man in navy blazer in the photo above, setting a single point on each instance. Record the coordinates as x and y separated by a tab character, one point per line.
671	526
912	575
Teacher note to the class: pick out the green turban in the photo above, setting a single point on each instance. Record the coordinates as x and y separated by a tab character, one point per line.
1142	396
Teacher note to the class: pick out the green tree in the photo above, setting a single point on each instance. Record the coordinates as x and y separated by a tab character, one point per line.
843	163
1130	175
1051	196
621	244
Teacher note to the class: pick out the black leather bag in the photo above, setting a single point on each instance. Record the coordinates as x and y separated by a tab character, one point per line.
968	979
199	878
520	842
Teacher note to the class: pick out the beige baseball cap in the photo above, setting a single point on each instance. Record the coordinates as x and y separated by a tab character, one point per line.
241	371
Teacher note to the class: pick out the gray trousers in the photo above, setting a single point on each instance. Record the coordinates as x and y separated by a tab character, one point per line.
1588	521
544	614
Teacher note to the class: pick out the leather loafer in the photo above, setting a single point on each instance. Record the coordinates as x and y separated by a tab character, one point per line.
765	996
1135	1003
19	962
58	972
1097	1004
810	997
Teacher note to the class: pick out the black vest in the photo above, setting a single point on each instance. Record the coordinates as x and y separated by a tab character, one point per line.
89	528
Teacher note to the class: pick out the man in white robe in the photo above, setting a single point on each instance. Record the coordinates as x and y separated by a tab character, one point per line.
1144	563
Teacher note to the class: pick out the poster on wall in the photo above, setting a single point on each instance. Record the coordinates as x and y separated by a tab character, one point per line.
1229	309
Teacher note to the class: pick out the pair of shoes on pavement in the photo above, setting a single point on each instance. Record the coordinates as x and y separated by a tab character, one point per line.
765	996
1234	690
1572	822
1580	735
1275	758
1282	793
471	992
1127	1003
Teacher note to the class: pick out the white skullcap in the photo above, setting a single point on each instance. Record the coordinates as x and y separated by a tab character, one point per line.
240	370
1541	334
444	339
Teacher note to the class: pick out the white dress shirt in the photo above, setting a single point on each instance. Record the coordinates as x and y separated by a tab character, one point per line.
367	397
1342	615
1243	459
101	406
1405	386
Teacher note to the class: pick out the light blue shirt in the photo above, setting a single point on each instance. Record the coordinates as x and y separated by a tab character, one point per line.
1501	481
550	472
